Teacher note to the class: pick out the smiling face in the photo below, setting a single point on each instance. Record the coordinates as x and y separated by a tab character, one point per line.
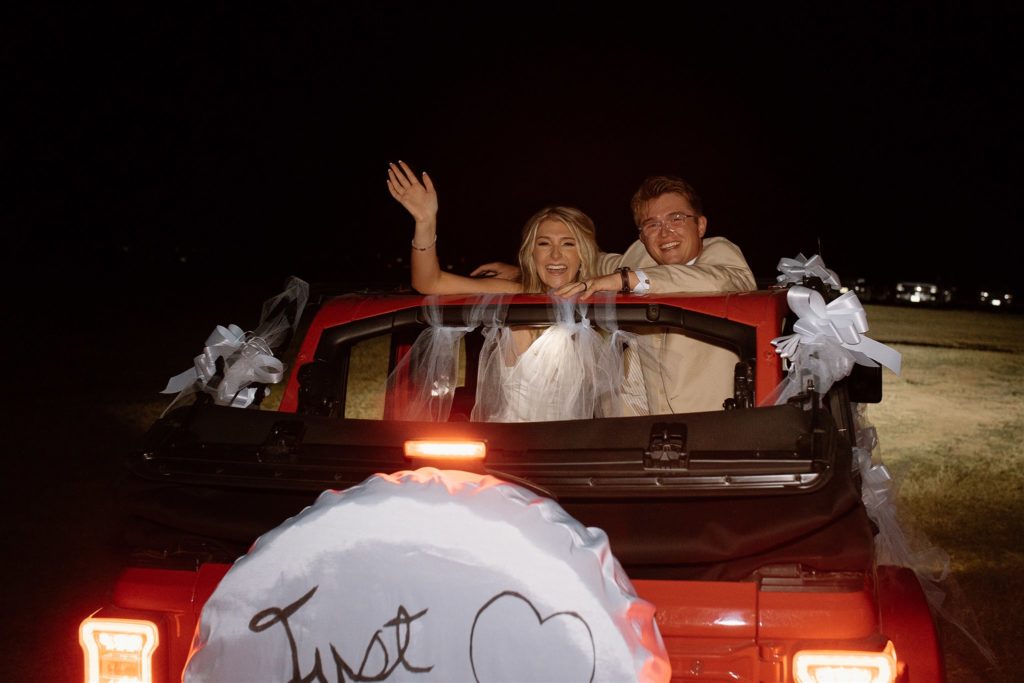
670	245
555	253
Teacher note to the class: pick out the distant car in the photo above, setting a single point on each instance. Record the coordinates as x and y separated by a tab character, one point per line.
995	298
922	293
865	291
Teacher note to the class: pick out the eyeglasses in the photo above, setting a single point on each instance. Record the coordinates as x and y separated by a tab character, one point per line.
672	221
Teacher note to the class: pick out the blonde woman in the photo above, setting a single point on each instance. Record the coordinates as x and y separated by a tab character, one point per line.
558	246
524	375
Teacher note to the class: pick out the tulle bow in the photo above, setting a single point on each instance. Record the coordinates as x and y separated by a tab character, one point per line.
841	321
827	341
794	270
247	359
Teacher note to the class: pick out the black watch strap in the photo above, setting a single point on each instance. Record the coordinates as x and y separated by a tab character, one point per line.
624	273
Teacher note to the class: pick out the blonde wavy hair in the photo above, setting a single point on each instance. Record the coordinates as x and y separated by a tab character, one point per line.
582	229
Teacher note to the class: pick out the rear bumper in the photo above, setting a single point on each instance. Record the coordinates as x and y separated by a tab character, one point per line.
713	630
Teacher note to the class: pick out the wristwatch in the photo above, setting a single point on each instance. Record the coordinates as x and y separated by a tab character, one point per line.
624	274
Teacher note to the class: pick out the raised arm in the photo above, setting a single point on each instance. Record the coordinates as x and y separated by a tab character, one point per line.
420	200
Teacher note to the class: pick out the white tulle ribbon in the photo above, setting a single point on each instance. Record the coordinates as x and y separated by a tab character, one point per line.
894	545
247	360
568	371
426	378
794	270
906	546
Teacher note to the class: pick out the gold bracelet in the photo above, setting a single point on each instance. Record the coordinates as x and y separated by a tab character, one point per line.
413	243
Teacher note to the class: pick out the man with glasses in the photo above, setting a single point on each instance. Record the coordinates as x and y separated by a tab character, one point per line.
671	224
671	254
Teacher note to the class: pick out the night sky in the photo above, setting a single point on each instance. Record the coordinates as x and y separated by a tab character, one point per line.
159	144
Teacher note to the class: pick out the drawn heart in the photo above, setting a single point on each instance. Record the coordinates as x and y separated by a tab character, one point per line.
512	643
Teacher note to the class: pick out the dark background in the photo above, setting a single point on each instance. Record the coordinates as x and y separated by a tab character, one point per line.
153	145
166	167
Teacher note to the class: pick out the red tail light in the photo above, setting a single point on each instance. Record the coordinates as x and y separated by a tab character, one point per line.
118	650
454	449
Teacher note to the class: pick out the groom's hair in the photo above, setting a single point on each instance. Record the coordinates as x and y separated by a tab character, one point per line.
655	186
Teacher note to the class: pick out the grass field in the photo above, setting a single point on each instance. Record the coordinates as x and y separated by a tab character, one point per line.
950	430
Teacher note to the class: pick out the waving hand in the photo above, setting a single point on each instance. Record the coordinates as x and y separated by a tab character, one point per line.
418	198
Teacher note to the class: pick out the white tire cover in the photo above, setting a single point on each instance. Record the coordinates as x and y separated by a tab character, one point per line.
428	575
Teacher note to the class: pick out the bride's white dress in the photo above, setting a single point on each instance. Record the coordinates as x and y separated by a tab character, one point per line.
553	379
569	371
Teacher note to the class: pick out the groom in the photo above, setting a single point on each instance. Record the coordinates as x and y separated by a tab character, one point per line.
681	374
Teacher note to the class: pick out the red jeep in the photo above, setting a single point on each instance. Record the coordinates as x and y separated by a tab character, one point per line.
744	526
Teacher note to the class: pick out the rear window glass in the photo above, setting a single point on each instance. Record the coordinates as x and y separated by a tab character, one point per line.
651	370
368	373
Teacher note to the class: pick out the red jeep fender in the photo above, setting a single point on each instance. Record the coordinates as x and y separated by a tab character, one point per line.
906	620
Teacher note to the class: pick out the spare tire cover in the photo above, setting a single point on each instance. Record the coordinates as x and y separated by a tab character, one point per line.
428	575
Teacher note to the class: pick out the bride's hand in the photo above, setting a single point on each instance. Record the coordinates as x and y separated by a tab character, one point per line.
585	289
418	198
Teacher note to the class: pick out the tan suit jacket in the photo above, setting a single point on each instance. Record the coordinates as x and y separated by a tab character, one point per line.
682	374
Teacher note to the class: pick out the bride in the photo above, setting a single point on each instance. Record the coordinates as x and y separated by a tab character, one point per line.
563	373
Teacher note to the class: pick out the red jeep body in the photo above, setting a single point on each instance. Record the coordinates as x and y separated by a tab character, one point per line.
788	568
